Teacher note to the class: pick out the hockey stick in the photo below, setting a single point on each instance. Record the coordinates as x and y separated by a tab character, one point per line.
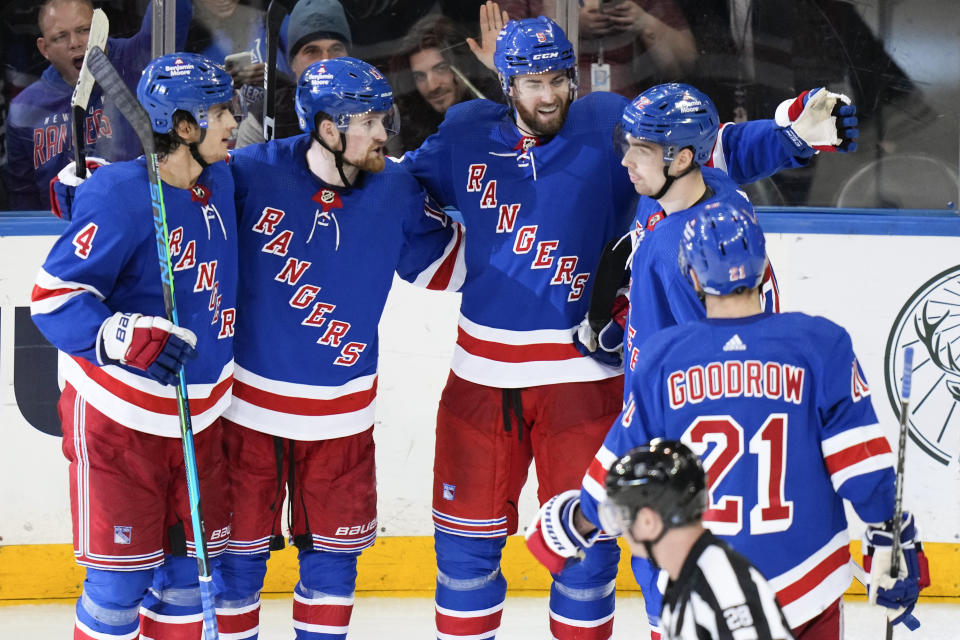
99	28
277	10
901	451
116	90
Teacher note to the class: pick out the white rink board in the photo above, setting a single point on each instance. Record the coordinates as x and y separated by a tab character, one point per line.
861	282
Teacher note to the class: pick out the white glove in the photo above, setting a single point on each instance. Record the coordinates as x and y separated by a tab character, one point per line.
553	538
824	120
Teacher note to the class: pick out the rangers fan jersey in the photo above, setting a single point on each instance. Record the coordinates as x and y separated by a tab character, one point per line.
778	408
539	214
106	261
39	129
317	265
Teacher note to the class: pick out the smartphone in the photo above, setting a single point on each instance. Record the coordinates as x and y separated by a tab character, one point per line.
606	5
237	60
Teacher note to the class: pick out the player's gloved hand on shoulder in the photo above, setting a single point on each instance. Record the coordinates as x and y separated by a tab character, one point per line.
818	120
899	595
604	343
63	186
553	538
149	343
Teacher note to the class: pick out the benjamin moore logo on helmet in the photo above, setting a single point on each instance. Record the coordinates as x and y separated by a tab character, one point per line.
930	322
179	68
688	103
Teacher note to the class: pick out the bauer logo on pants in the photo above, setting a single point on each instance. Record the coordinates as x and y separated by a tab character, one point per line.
930	323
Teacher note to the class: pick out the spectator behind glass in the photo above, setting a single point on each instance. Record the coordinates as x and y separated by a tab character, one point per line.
39	140
645	42
431	74
224	27
317	30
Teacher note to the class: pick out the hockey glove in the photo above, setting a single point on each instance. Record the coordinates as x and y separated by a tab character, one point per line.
898	596
605	345
149	343
818	120
64	185
553	538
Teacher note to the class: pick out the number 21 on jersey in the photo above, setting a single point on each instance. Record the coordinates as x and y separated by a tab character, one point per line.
773	512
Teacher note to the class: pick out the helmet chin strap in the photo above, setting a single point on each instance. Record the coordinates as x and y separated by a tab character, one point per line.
668	180
338	158
195	151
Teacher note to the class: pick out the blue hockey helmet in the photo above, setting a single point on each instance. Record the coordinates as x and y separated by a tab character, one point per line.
723	244
533	45
674	116
182	82
340	88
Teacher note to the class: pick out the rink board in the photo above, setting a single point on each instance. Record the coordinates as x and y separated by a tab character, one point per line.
871	272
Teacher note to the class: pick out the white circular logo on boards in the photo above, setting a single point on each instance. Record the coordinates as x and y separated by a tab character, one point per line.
930	323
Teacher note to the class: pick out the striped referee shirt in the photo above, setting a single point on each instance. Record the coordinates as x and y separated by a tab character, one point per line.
720	596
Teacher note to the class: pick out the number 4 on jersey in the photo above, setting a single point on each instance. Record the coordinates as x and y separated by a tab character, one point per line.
83	241
773	512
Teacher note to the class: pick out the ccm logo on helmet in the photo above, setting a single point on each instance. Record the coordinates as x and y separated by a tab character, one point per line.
546	56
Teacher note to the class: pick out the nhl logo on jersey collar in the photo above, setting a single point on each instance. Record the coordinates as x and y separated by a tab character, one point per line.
526	143
654	219
328	199
199	193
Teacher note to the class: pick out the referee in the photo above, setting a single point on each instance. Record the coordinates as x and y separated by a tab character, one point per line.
656	496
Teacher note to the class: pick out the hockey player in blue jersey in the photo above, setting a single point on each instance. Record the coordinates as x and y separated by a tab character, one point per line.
778	408
541	191
666	136
325	222
98	299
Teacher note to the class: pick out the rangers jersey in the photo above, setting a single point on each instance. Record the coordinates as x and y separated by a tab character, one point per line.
660	294
539	213
317	265
39	129
778	408
106	261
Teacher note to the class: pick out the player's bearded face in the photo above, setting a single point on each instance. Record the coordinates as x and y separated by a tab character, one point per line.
366	137
542	101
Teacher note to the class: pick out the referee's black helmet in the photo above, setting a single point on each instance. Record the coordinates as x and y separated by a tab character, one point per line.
665	476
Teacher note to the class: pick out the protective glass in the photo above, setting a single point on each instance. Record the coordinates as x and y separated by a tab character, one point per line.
369	123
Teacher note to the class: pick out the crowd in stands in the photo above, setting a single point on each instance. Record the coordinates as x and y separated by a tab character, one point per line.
748	56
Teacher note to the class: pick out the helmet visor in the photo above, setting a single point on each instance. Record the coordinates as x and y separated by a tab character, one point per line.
375	123
546	84
614	518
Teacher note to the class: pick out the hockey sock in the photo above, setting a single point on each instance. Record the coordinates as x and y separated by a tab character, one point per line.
110	603
323	599
470	587
239	579
172	609
582	597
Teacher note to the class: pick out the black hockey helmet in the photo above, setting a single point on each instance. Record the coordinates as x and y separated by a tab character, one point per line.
665	476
